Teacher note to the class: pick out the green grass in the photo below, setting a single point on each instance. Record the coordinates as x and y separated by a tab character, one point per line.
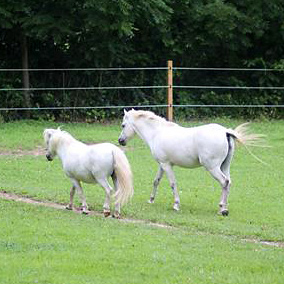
41	245
202	248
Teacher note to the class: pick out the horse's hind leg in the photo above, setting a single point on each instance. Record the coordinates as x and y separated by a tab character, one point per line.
72	192
225	183
158	177
225	168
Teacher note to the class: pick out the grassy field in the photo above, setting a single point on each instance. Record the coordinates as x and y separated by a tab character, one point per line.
43	245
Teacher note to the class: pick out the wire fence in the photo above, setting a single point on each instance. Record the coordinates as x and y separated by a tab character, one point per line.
141	87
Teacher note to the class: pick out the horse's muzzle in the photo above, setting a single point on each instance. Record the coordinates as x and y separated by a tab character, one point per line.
49	157
122	142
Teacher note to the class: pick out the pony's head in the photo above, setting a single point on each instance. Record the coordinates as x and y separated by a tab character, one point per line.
128	130
51	138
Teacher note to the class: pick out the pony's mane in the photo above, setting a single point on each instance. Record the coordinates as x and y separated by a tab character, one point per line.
66	134
56	136
62	134
151	116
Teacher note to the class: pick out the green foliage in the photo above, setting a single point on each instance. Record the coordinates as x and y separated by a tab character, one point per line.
127	33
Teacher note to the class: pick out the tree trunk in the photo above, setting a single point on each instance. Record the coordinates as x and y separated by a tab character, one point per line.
25	74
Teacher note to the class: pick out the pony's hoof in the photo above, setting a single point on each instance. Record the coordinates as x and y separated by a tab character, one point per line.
225	212
116	216
176	207
68	207
106	213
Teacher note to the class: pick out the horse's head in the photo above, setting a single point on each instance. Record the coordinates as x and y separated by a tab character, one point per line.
127	128
48	136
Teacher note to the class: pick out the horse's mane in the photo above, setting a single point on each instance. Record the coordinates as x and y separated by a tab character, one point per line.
151	116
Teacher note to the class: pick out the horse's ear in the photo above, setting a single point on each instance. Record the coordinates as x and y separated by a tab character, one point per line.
125	112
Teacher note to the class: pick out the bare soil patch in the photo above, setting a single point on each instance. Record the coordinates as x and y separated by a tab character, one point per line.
20	152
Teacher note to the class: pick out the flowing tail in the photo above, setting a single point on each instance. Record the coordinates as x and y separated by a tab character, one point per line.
242	135
124	177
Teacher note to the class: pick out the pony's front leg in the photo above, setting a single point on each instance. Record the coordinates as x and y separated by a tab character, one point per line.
171	177
157	179
84	206
72	192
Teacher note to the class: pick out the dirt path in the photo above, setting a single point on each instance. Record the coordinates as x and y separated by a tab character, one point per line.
19	198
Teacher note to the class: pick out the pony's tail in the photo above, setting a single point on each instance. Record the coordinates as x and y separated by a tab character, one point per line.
244	137
124	177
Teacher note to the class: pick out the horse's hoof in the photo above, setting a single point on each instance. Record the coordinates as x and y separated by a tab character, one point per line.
106	213
151	200
85	212
68	207
225	212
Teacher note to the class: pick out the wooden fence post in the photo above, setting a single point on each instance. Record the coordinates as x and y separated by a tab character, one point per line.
170	91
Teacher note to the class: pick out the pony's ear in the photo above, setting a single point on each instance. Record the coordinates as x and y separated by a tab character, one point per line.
46	134
125	112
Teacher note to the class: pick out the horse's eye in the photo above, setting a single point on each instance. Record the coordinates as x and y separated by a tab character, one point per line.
123	125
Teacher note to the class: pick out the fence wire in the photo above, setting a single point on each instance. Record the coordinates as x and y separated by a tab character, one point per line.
176	87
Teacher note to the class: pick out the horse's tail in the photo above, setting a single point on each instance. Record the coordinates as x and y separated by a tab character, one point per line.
244	137
124	178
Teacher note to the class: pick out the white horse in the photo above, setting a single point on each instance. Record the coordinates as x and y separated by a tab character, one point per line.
211	146
91	164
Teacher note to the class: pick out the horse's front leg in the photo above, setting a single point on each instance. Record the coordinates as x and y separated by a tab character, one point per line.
171	177
72	192
157	180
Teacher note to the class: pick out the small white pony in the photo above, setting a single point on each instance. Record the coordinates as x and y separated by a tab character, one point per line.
211	146
91	164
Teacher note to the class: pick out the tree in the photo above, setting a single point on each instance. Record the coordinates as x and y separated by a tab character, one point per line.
34	20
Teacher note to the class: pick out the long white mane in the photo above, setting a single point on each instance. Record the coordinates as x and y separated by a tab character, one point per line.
149	115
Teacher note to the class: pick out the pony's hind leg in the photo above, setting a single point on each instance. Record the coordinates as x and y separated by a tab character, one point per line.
157	179
104	183
72	192
117	204
225	183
